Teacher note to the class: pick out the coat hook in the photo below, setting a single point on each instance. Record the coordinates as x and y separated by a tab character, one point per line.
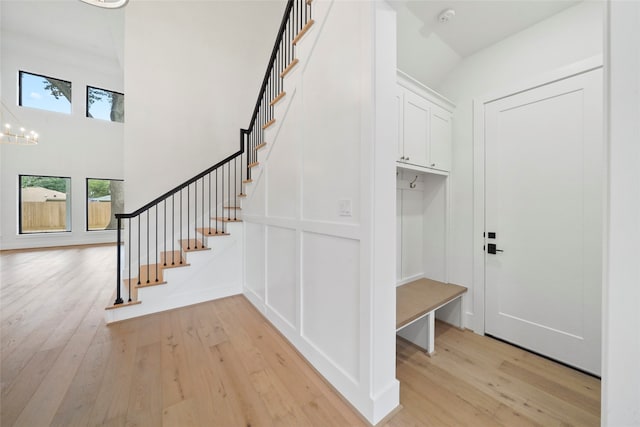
412	184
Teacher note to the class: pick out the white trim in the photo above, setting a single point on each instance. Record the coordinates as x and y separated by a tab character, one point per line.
476	319
408	82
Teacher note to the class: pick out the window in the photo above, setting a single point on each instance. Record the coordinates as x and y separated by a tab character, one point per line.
44	93
105	104
45	204
105	198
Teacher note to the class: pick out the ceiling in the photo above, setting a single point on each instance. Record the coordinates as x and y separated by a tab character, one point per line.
68	23
477	23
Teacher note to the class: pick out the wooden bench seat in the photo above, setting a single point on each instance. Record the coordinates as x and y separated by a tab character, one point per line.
416	303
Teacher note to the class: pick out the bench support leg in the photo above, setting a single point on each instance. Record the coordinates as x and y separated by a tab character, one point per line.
431	332
421	332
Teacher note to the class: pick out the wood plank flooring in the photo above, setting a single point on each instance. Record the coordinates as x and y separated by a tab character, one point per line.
222	364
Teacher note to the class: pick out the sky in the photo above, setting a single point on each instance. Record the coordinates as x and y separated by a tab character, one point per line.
34	95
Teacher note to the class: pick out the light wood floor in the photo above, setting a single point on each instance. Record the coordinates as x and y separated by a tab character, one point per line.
222	364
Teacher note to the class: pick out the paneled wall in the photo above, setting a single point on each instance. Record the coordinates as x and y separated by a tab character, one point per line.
309	213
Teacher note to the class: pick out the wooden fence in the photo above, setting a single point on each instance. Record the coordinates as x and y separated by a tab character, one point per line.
51	216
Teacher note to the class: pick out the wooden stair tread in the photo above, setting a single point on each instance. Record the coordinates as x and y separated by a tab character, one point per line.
419	297
302	32
289	68
124	304
259	146
172	259
211	232
151	273
192	245
227	219
254	164
233	207
269	123
146	285
247	181
242	195
278	97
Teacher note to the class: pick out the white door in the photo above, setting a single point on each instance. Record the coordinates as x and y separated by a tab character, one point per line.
544	164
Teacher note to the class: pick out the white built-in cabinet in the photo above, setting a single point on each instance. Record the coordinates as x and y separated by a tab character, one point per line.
422	190
424	127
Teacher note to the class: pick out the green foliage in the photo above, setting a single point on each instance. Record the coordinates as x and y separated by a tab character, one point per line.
97	94
99	187
58	88
49	182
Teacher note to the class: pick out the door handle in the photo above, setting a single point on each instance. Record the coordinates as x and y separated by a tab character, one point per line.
492	248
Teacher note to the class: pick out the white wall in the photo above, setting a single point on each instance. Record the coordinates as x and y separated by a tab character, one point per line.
570	36
70	145
426	58
327	281
621	305
192	78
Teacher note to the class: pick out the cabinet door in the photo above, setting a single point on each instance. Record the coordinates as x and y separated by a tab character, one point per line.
400	135
417	114
440	147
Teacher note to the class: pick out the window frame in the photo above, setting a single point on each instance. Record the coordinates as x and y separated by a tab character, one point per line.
20	73
86	201
67	201
86	103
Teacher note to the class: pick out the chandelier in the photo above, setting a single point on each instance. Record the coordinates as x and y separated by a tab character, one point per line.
15	135
107	4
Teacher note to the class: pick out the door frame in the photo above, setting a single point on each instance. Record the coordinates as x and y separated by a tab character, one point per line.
476	318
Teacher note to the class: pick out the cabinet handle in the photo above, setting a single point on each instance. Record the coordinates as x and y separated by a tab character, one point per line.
433	164
407	158
402	158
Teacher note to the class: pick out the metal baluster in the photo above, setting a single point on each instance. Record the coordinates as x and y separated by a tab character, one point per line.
209	203
118	278
216	220
164	230
222	197
156	242
202	220
195	212
139	227
148	258
129	243
173	231
188	203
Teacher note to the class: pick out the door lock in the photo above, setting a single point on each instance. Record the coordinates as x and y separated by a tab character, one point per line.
492	248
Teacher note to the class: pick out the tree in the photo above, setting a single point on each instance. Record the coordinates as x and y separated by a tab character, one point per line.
48	182
59	88
98	188
115	100
116	189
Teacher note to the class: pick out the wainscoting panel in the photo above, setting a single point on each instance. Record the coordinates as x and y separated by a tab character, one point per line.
282	292
331	299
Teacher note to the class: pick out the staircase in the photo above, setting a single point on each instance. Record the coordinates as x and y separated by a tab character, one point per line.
185	246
